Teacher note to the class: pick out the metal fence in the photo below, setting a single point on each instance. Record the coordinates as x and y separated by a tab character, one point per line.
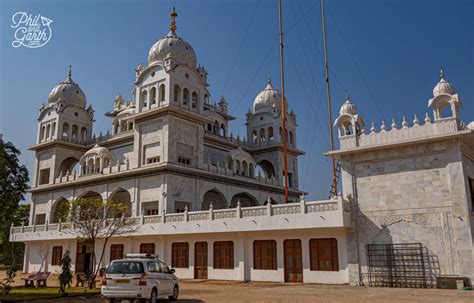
396	265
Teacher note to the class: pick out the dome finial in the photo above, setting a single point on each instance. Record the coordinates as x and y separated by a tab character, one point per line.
269	79
173	16
69	74
441	74
347	96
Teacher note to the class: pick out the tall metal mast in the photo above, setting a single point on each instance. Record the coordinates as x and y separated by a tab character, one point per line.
331	139
283	108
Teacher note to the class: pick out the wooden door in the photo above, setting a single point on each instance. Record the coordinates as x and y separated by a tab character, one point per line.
293	261
200	260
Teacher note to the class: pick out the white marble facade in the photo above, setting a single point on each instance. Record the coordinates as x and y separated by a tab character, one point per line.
411	182
171	157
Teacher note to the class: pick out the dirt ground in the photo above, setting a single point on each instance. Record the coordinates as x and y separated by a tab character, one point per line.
196	291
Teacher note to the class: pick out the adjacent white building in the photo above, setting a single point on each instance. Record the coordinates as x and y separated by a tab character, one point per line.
212	205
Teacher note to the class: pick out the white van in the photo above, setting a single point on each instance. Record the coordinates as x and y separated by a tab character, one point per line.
139	276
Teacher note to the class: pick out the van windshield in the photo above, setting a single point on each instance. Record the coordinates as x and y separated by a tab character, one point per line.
125	267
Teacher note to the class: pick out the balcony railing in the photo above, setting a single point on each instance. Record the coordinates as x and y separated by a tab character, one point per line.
339	209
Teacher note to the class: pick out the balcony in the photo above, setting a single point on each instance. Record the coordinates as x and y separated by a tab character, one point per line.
302	215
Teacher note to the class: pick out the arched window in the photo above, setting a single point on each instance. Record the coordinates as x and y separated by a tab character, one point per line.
254	137
206	98
270	134
215	197
153	95
265	169
209	127
53	130
237	167
130	126
281	134
244	168
176	93
90	166
222	130
97	165
65	133
42	131
251	171
291	138
144	97
162	93
245	199
74	133
194	100
262	135
185	97
83	135
48	131
116	128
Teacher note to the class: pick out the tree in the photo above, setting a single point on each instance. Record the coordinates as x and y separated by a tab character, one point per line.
65	276
93	220
13	185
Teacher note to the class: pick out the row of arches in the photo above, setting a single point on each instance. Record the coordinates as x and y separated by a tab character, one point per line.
266	136
71	133
216	129
184	97
47	132
61	209
153	97
219	200
242	168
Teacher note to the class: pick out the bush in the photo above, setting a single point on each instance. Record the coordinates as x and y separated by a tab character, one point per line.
65	276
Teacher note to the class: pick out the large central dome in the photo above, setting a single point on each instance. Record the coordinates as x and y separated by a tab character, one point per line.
172	46
175	47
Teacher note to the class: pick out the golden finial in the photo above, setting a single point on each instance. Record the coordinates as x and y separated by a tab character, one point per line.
173	16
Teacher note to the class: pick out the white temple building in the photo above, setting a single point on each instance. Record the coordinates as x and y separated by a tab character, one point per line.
212	205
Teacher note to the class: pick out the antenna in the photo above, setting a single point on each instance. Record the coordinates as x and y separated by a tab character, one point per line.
331	139
283	108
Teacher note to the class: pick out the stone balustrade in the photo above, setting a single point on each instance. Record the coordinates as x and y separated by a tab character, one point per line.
418	130
327	213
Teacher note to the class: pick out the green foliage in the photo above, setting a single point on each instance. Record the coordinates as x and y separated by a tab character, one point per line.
95	220
65	276
13	185
9	279
61	211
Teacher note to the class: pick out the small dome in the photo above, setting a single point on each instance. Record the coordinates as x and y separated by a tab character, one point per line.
68	91
471	125
268	98
348	108
98	151
443	86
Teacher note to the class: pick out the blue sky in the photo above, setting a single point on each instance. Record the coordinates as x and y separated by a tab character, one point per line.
386	54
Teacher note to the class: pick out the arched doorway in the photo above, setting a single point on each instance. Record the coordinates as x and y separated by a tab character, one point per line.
246	200
265	169
216	198
60	211
122	198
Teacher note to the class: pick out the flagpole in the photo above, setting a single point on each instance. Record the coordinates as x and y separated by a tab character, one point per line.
283	108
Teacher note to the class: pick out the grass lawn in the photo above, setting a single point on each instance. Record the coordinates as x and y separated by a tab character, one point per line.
21	293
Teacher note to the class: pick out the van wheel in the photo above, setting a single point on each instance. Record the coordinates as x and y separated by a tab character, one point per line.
174	297
154	296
